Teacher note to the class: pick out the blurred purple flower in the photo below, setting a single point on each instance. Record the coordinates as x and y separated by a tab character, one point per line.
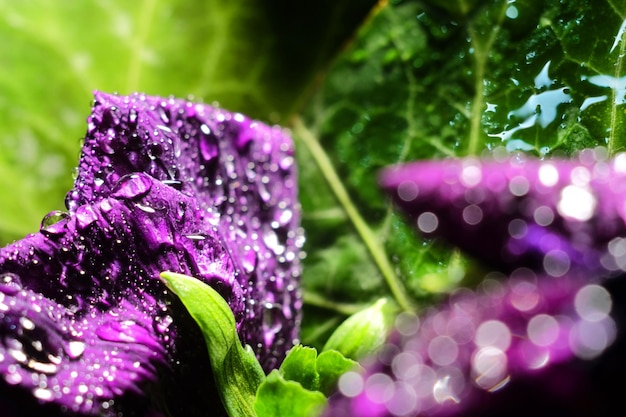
162	184
547	340
547	215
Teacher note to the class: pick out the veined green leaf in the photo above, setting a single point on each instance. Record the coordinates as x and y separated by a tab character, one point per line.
444	79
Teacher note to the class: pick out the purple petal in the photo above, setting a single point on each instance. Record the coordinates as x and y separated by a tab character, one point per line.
490	352
550	215
241	172
156	190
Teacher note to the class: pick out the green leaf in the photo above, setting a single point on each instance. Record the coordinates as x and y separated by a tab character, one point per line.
331	365
365	332
313	372
279	397
258	58
437	79
237	372
300	365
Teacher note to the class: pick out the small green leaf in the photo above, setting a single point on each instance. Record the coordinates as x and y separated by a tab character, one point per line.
300	365
236	370
278	397
331	364
364	332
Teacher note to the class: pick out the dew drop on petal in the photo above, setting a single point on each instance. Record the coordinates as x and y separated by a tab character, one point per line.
408	190
351	384
517	228
493	333
543	330
472	214
548	175
379	388
471	174
556	263
593	303
489	366
43	394
577	203
543	215
443	350
589	339
427	222
519	186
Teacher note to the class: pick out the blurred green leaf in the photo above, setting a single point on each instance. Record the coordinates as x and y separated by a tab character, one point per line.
258	58
365	332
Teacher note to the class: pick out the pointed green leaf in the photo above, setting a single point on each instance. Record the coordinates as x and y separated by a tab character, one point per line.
365	332
236	370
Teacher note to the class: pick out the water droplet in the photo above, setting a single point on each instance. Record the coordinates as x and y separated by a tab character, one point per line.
351	384
593	303
543	330
196	237
427	222
43	367
85	215
271	240
75	349
177	185
27	323
273	319
489	366
43	394
132	186
472	214
164	323
519	186
408	190
208	145
132	117
115	331
248	260
145	209
54	223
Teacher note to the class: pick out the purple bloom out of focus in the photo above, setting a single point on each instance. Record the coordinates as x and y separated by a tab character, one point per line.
162	184
546	340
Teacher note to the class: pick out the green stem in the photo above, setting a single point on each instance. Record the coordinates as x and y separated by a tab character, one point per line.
615	140
367	235
320	301
482	47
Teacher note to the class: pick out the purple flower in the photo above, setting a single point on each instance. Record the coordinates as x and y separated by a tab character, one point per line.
549	215
548	339
162	184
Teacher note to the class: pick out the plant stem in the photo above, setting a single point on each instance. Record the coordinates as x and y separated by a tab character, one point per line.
365	232
318	300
